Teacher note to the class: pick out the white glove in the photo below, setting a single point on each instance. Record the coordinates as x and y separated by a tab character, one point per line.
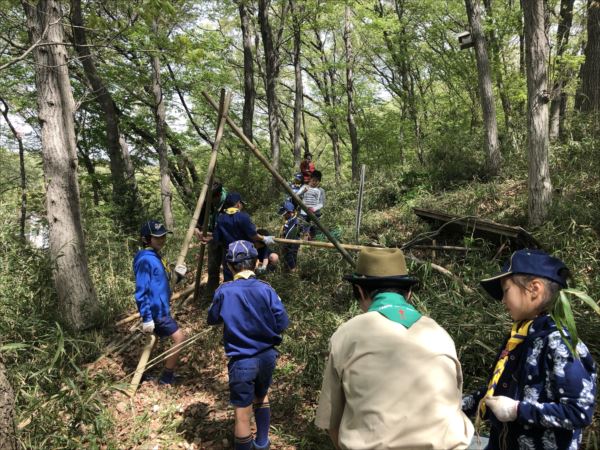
180	270
148	327
261	269
504	408
268	240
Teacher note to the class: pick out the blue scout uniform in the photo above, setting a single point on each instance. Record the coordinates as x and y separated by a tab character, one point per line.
289	252
233	225
152	291
556	393
253	316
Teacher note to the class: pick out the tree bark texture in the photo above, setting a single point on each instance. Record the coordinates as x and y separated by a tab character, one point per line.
160	115
8	440
537	50
249	88
486	92
350	93
590	74
271	74
22	174
558	96
299	87
78	304
125	192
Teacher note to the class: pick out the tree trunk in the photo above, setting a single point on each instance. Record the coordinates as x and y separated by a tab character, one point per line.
589	100
271	73
19	139
299	91
161	139
350	93
125	192
537	50
249	89
8	440
78	304
562	39
486	92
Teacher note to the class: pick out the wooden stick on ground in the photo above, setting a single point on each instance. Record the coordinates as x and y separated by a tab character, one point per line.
223	110
281	181
139	371
357	248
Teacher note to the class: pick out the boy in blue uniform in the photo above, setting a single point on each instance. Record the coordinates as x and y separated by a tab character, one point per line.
233	224
253	318
267	259
152	292
540	395
290	230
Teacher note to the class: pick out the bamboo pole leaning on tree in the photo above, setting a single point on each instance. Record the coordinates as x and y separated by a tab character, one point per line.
208	205
281	181
223	109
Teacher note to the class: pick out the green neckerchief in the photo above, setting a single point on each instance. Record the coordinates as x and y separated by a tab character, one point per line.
394	307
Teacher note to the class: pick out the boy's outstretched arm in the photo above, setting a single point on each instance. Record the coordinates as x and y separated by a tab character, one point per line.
214	312
143	278
574	388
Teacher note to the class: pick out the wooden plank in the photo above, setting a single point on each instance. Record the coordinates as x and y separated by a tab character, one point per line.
517	235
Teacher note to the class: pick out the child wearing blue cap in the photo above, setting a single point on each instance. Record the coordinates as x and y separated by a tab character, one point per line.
541	392
152	293
290	230
253	318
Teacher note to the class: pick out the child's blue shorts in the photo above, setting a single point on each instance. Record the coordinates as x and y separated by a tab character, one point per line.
251	377
165	326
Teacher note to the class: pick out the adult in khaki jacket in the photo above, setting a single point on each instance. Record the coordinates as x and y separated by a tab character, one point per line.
393	380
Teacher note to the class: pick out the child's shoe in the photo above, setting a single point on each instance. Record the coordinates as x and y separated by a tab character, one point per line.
167	377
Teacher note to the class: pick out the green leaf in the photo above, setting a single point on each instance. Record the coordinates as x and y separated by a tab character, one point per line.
13	346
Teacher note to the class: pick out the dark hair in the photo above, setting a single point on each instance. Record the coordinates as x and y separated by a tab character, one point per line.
317	175
371	293
262	232
217	188
247	264
551	291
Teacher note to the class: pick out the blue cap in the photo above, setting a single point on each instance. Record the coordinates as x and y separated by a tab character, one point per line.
239	251
286	207
298	176
527	262
232	198
153	228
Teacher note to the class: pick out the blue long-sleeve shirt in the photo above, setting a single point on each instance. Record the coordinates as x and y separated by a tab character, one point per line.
555	392
152	290
234	227
252	314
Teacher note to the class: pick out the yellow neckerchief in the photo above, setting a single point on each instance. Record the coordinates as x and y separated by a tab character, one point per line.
518	334
245	274
162	260
231	210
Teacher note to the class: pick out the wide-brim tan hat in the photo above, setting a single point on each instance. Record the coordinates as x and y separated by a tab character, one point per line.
384	267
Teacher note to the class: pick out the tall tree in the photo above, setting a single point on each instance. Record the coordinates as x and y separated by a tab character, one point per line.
297	11
536	61
350	92
559	97
78	304
486	92
125	192
8	436
271	53
589	98
160	117
249	88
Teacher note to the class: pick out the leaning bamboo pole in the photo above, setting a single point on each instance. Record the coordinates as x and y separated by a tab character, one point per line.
139	371
222	109
281	181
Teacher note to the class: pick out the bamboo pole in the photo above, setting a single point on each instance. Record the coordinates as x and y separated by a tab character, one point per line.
139	371
358	248
222	109
359	205
281	181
